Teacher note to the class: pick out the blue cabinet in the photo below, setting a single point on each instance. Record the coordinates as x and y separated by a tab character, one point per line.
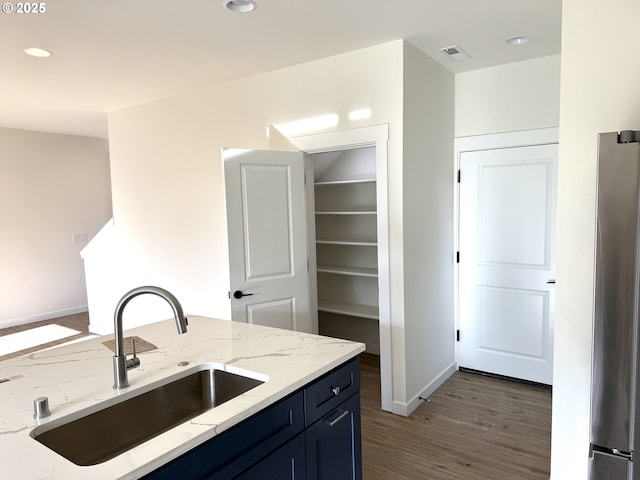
330	390
285	463
312	434
230	453
333	444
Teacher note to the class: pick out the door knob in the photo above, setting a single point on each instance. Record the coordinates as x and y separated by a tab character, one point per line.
239	294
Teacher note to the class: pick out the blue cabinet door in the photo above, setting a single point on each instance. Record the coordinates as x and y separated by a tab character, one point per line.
286	463
226	455
334	447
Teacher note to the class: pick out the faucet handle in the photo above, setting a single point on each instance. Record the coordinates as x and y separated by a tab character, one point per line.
134	361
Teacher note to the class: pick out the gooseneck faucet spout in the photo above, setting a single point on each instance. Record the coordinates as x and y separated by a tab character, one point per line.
120	362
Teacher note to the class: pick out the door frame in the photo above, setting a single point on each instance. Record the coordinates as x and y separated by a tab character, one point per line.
474	143
376	136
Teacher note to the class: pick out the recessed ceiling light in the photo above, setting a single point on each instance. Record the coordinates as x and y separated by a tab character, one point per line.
37	52
519	40
240	6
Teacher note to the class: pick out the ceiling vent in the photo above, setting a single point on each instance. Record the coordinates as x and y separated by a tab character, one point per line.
455	53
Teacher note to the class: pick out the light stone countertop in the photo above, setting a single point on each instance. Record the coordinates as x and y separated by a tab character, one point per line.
78	376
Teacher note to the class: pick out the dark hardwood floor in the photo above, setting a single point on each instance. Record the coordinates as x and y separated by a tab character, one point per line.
473	427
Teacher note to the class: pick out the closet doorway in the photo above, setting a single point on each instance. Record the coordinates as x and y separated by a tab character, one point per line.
348	225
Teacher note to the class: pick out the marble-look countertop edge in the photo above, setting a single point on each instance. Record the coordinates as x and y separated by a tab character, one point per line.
78	376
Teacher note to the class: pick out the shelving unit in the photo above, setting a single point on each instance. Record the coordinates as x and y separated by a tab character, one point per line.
344	242
355	310
354	212
346	270
346	245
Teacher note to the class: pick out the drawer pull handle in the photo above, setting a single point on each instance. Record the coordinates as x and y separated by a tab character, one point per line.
336	391
331	423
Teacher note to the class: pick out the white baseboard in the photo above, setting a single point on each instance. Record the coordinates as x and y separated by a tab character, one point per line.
406	409
12	322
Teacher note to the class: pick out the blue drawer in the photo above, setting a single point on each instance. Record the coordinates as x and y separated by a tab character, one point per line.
331	390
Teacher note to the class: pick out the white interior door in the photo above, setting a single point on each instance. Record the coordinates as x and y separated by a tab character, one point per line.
507	261
267	238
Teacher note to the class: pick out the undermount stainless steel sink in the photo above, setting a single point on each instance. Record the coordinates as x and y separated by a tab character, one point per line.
108	429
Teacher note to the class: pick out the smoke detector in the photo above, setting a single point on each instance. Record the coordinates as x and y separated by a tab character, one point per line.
455	53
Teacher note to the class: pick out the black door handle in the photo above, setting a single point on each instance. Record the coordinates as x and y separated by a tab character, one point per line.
553	280
239	294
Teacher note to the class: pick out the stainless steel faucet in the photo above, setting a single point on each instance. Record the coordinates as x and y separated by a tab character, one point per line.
120	362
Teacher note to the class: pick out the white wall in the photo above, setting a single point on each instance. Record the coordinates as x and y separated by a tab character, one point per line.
51	187
599	93
428	224
167	176
516	96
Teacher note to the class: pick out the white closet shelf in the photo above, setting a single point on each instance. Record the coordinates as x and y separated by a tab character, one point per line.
344	270
345	182
355	310
353	212
348	242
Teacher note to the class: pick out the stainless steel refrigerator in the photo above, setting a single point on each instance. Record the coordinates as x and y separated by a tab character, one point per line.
615	396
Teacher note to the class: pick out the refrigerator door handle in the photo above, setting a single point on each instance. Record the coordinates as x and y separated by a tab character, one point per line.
610	451
627	455
606	466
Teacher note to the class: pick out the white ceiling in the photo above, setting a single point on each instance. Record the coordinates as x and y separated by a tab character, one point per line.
109	54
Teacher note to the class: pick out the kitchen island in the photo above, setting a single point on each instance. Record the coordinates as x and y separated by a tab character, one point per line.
78	376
